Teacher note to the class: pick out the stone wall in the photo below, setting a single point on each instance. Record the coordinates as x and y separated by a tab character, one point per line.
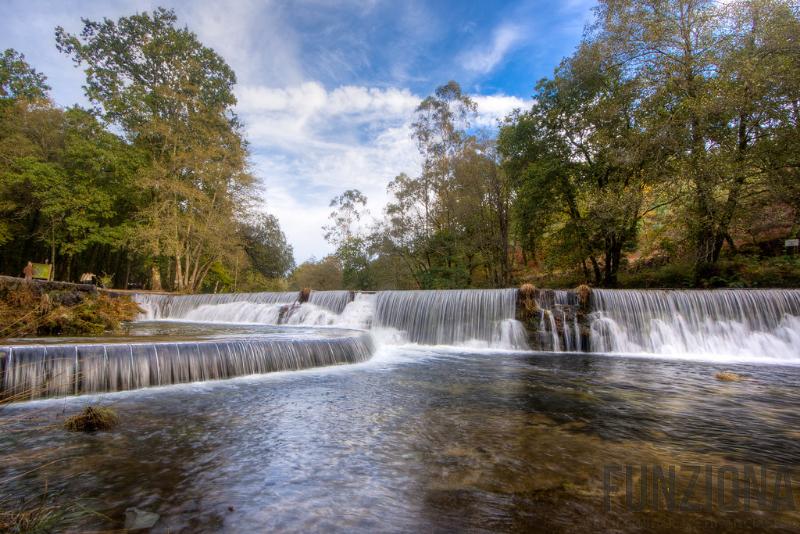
555	319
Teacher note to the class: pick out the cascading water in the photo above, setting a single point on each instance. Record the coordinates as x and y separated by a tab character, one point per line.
334	301
749	323
482	317
762	323
453	317
558	325
257	308
35	371
211	307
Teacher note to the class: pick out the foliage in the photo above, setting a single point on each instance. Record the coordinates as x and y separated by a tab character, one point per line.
266	246
18	80
325	274
352	244
449	226
168	199
662	152
40	514
173	98
661	125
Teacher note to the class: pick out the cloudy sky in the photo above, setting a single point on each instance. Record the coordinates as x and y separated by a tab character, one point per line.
327	89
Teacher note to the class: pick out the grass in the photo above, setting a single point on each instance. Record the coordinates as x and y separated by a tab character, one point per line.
92	419
24	311
40	514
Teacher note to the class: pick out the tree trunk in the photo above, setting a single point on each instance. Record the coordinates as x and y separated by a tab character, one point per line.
178	274
155	278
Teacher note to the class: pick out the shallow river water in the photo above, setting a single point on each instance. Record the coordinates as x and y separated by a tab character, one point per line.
429	439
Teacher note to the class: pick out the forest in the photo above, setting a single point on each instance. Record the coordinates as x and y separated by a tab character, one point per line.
151	186
664	152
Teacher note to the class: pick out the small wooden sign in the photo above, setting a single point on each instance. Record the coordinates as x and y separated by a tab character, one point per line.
41	271
789	243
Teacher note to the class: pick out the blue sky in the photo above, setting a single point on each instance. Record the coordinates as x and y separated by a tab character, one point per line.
327	89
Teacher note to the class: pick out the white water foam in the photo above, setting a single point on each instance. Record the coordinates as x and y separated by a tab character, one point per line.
740	325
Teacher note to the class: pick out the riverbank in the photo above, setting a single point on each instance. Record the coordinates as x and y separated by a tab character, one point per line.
44	308
741	271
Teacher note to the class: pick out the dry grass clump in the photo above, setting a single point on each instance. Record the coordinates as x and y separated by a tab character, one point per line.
93	316
728	376
527	296
305	294
91	419
26	312
40	514
584	292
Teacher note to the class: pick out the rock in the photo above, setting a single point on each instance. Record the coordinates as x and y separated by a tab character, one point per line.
136	519
728	376
304	295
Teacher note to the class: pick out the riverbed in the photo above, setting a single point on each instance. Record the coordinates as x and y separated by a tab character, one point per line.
423	439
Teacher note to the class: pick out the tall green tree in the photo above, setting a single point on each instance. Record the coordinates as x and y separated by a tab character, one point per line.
173	98
582	164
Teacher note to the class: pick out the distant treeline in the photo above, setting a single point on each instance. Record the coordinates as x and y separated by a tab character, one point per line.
151	186
664	152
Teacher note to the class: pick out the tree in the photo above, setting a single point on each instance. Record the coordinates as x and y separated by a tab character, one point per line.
582	164
352	246
266	246
322	275
18	80
450	225
173	98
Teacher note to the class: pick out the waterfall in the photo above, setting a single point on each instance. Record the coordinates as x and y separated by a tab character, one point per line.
208	307
730	322
36	371
483	317
334	301
359	312
746	323
559	329
451	317
261	308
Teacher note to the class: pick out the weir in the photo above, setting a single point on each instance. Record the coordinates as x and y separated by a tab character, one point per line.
37	371
334	301
453	317
262	308
732	322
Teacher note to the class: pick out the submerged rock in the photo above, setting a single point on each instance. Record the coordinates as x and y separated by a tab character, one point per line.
136	519
728	376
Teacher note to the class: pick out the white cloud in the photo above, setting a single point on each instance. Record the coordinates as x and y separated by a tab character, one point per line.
492	108
484	59
252	35
311	144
